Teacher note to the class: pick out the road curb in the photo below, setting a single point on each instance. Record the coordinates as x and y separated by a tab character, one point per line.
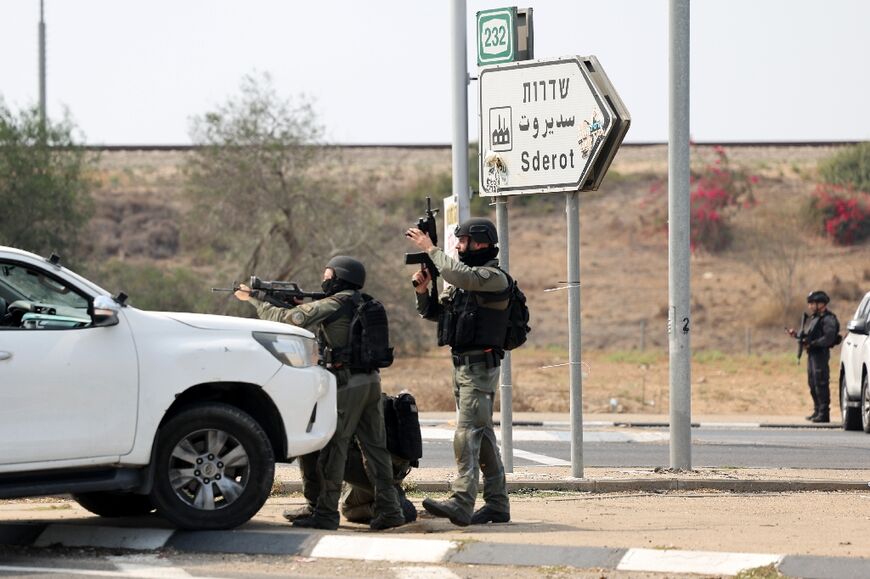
356	546
647	424
641	485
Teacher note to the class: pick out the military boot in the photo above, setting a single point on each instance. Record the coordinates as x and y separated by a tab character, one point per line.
381	522
448	509
298	513
823	416
813	415
485	515
409	511
316	522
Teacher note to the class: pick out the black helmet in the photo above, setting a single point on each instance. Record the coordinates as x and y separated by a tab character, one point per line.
818	296
348	269
479	229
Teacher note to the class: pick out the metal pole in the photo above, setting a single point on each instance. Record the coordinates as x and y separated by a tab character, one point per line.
678	240
460	80
506	387
42	115
643	335
572	209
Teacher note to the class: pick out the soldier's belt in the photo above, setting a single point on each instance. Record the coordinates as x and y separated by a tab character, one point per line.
491	358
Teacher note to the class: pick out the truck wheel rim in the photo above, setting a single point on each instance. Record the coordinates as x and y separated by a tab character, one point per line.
208	469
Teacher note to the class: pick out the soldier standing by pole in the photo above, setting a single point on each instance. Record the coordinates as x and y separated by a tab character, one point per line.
472	319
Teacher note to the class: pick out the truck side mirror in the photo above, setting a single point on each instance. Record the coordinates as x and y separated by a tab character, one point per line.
105	312
857	327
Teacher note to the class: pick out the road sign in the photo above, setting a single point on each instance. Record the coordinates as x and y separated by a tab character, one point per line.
543	125
496	36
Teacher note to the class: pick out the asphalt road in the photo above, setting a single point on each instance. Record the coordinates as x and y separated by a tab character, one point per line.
648	447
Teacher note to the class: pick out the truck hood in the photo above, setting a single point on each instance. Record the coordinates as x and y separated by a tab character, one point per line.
214	322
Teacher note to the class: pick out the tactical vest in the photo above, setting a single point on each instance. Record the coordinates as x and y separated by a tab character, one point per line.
474	320
817	328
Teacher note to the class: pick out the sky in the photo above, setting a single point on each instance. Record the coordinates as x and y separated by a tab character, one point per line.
137	72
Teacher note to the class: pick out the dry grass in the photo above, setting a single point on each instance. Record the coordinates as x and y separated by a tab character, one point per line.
624	279
721	383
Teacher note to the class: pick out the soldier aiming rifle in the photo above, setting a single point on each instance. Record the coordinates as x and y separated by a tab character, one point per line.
281	294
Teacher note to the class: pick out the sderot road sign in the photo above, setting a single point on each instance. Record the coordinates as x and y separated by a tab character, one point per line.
496	36
543	125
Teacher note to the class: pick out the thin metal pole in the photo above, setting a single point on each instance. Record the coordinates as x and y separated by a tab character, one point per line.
678	240
42	107
506	387
643	335
459	81
572	209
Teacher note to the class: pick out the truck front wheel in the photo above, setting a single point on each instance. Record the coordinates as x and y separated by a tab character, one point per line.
214	468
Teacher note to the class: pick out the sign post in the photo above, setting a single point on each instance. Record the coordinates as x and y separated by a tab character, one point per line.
548	126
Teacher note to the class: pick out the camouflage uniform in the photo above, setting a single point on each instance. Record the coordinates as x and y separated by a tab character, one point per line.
475	377
360	413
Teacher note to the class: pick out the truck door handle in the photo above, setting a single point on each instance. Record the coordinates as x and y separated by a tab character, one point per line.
5	356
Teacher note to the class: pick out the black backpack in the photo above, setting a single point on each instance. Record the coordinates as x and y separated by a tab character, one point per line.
518	317
402	422
368	340
839	339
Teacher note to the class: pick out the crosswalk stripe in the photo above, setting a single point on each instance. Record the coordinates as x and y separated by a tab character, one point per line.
424	573
540	458
703	562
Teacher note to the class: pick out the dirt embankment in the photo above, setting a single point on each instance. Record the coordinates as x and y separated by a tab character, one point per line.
745	361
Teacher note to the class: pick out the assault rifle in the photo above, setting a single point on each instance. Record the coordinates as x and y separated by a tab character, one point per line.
801	337
427	225
282	294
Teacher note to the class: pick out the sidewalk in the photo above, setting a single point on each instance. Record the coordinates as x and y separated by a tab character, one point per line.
811	523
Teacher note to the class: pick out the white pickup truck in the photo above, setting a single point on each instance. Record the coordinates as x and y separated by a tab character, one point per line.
131	411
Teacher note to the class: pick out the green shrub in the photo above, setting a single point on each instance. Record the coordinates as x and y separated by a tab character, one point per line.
849	167
153	288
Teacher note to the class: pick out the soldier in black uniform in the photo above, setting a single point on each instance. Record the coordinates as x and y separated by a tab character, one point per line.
820	334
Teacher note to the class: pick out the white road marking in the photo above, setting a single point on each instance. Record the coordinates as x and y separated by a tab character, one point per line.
523	435
142	573
540	458
382	549
702	562
424	573
147	565
106	537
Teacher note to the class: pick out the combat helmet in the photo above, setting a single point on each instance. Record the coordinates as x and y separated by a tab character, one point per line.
479	229
818	296
348	269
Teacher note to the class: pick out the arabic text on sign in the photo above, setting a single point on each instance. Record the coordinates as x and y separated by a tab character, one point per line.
547	91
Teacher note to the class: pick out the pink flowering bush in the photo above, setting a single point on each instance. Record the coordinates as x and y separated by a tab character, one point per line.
718	191
841	213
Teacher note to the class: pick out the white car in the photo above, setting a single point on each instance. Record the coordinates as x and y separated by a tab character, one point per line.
854	365
131	411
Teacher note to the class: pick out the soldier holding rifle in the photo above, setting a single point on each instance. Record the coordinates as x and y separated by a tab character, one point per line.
819	332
